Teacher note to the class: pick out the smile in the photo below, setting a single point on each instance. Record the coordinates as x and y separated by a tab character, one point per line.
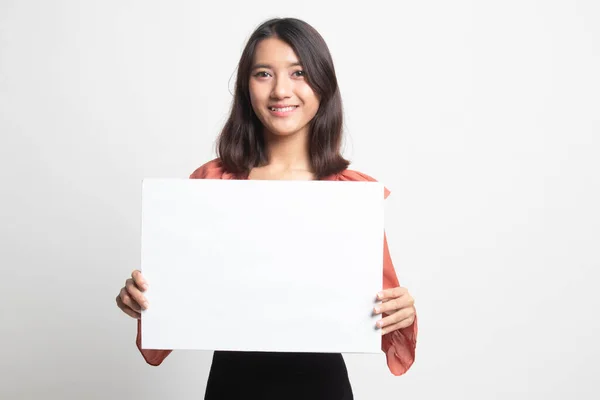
283	109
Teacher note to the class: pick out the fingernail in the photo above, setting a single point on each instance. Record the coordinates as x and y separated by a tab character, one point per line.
379	323
380	295
377	310
145	305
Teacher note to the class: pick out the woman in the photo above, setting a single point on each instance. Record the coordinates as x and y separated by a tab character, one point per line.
286	123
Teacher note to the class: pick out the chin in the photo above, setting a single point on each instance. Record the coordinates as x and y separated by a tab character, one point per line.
281	131
276	132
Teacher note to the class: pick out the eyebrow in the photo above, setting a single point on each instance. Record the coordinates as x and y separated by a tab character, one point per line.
267	66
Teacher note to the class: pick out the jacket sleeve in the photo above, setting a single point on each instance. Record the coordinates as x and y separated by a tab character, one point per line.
152	357
399	346
210	170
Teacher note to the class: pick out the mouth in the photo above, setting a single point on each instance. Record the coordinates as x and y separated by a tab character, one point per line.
283	109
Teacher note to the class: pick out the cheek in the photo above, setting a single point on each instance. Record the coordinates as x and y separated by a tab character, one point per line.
252	92
310	100
257	96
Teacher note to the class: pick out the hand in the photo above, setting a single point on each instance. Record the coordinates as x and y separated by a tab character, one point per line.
130	299
397	308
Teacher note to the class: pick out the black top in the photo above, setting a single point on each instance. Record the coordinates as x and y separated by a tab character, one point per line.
262	375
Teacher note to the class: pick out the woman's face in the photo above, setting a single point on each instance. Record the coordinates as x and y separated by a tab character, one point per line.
279	92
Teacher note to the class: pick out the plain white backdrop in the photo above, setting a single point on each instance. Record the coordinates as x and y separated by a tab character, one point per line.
481	117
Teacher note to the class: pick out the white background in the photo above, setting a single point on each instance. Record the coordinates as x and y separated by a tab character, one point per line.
482	117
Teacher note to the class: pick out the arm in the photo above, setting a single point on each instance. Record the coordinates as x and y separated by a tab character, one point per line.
399	346
152	357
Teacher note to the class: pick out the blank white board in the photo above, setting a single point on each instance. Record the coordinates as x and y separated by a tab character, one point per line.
250	265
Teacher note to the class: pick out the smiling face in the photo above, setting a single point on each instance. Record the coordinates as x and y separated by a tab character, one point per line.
280	95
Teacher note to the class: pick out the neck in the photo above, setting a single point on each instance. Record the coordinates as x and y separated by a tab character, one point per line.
289	152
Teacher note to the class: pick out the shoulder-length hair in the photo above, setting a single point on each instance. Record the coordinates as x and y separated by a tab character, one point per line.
241	144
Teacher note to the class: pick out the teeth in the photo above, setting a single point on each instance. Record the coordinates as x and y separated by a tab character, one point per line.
285	109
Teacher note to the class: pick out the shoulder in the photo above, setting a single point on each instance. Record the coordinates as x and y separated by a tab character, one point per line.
211	170
352	175
349	175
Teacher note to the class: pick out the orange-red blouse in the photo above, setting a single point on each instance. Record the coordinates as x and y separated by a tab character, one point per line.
399	346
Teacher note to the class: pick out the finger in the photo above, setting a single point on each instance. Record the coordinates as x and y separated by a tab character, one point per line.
125	308
391	293
399	325
396	317
139	280
388	306
128	300
135	294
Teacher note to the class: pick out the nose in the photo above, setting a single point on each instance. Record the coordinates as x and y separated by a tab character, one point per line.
282	88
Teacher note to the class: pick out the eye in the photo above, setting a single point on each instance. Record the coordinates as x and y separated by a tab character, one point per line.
262	74
299	73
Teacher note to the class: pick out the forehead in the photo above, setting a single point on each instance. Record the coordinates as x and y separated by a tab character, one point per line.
274	52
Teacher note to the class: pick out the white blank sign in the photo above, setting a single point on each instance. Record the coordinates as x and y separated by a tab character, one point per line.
246	265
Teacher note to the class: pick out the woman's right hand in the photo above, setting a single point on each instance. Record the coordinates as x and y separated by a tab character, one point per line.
130	299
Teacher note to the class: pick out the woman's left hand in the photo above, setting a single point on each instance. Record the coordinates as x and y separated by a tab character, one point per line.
397	308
